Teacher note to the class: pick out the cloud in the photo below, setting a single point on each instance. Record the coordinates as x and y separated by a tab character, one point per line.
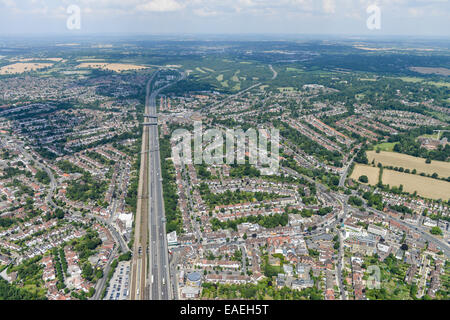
329	6
161	6
8	3
205	12
415	12
232	15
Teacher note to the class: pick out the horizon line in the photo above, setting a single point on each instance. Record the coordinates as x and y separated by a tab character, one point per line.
72	34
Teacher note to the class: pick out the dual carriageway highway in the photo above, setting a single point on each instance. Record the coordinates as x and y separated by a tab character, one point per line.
150	275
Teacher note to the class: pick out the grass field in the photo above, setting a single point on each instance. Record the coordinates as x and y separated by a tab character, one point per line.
235	76
371	172
439	84
430	136
289	69
287	89
409	162
417	80
411	79
425	187
386	146
200	70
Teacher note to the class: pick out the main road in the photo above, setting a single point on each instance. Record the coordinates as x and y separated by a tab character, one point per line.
150	278
158	275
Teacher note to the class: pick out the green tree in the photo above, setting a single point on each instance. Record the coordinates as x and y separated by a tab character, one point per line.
436	231
363	179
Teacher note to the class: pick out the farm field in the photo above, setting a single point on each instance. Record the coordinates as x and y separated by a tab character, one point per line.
91	60
438	71
371	172
409	162
36	59
116	67
425	187
17	68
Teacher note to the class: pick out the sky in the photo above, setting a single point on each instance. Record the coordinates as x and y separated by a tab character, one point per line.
340	17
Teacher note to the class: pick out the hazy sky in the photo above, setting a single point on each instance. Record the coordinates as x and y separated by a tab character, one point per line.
398	17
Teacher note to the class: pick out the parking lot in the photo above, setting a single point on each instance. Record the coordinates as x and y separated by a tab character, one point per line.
119	284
